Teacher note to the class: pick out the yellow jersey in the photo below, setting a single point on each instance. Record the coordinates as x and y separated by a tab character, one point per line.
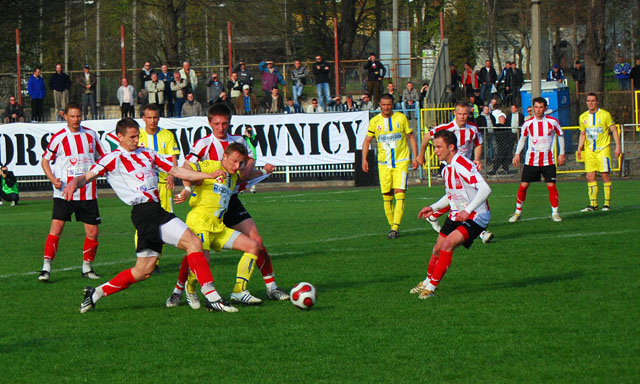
596	127
391	135
213	194
163	142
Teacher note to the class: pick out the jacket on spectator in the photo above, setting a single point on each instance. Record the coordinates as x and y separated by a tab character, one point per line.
267	103
321	72
470	77
244	76
36	87
510	118
156	91
410	96
555	76
270	78
292	109
375	70
226	103
11	109
145	75
619	68
514	79
80	84
192	81
578	75
59	82
166	78
191	108
178	89
492	75
235	88
298	75
239	104
215	87
122	90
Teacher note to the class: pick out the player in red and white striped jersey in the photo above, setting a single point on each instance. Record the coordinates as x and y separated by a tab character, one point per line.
133	174
212	147
541	132
72	150
466	195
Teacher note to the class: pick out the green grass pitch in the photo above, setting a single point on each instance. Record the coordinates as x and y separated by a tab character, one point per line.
544	302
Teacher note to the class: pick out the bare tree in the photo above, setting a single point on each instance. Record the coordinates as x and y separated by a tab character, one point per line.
596	48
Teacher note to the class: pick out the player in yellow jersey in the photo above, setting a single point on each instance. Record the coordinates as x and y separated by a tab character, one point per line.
209	202
595	125
391	131
163	142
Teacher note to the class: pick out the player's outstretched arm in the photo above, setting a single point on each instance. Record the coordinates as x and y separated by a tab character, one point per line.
266	170
191	175
78	182
426	212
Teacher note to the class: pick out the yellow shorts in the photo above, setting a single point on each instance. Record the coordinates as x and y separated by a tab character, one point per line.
598	161
165	197
211	230
393	178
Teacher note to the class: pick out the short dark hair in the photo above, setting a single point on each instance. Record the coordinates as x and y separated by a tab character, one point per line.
592	94
236	147
386	96
123	125
72	105
150	107
540	100
448	137
219	109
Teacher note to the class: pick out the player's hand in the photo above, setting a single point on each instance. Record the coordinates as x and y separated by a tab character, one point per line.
579	154
216	174
365	166
414	164
170	182
561	159
181	197
478	164
617	153
420	160
461	216
425	213
68	191
57	184
516	160
269	168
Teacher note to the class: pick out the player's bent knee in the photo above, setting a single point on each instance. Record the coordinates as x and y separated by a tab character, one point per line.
190	242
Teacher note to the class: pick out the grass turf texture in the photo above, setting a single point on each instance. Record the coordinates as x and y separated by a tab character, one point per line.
544	302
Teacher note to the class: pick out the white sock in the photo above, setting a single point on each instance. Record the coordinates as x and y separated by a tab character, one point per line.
179	289
98	294
271	286
554	209
431	287
209	291
86	266
46	265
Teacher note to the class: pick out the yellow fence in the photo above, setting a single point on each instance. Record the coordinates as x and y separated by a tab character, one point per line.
429	118
572	164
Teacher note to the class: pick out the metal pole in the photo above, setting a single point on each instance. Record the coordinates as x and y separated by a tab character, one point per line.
229	45
18	64
394	43
124	66
98	98
40	34
335	53
441	26
134	30
67	34
536	89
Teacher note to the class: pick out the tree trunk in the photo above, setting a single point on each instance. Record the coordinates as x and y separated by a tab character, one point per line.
347	28
595	52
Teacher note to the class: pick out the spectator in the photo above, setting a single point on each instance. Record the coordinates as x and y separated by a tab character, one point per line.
529	114
191	107
86	86
349	105
314	107
375	73
61	116
145	75
166	77
488	78
215	87
270	77
475	107
410	98
335	104
514	82
189	75
292	107
37	91
469	80
455	80
244	75
273	102
504	141
423	93
515	120
60	83
14	112
298	80
234	86
391	90
155	92
635	76
321	71
224	99
178	92
246	104
126	97
365	103
579	76
556	74
9	190
503	73
503	78
251	138
622	71
487	120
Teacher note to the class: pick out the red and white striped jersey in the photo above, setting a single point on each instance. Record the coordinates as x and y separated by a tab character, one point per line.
541	135
212	148
74	153
460	182
468	136
133	175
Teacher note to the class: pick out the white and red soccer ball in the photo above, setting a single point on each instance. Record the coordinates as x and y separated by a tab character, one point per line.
303	295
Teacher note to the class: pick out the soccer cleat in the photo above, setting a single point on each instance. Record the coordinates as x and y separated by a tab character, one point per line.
192	300
173	300
556	217
91	275
425	294
605	208
87	303
515	217
13	203
277	294
220	306
486	236
393	234
589	208
434	223
44	276
245	297
418	288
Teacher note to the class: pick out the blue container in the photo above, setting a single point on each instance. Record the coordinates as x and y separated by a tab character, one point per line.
558	103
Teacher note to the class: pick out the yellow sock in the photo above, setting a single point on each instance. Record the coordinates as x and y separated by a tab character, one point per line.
398	211
388	207
607	193
593	193
245	269
191	282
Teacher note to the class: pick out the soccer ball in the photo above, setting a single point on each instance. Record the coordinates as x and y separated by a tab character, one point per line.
303	295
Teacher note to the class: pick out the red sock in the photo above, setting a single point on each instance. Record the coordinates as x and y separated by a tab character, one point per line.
553	195
440	212
184	271
198	264
122	281
443	263
432	265
263	262
51	247
89	250
522	195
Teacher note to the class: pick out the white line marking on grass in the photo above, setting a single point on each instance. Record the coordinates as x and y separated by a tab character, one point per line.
588	234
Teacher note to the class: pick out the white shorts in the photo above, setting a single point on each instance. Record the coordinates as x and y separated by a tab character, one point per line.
171	232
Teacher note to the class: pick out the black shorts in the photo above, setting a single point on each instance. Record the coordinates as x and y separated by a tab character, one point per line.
147	218
236	213
86	211
531	174
469	229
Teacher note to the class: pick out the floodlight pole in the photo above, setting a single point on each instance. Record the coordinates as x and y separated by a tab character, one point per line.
536	90
124	65
230	47
18	63
335	53
394	43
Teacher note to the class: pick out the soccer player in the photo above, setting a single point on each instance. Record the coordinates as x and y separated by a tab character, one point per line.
391	131
209	202
211	147
75	149
466	195
133	174
541	132
595	125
